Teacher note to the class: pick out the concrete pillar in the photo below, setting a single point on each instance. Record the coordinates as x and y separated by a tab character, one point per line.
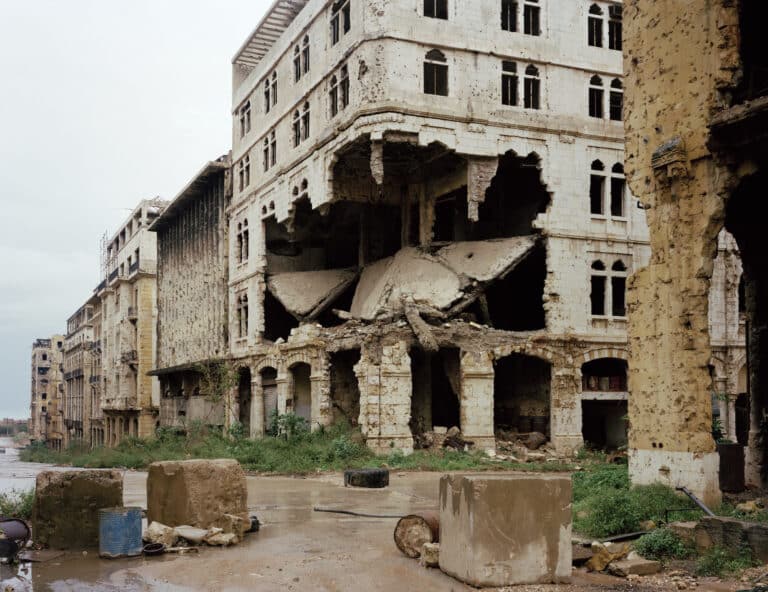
565	408
257	407
283	384
477	399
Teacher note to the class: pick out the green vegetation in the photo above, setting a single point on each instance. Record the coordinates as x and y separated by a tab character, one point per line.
662	544
293	451
722	562
17	504
604	504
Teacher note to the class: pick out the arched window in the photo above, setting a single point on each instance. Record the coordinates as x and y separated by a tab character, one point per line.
304	185
239	243
274	88
508	83
435	73
296	128
597	189
341	20
531	17
614	26
531	88
305	122
246	243
509	15
245	119
333	96
602	298
266	154
296	64
305	54
618	191
267	95
344	86
616	100
436	9
272	148
595	26
242	315
596	97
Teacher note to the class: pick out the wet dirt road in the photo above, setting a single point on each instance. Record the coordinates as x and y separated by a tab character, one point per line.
296	548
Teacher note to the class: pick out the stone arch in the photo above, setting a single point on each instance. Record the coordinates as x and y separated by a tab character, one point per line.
620	353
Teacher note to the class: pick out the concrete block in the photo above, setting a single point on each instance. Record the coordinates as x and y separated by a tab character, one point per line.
729	533
65	514
200	493
636	567
505	530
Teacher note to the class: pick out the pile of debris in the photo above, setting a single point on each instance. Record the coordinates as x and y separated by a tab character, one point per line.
180	538
441	437
616	559
524	447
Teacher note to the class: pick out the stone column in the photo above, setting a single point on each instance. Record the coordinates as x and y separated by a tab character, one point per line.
321	396
283	384
477	399
257	407
565	408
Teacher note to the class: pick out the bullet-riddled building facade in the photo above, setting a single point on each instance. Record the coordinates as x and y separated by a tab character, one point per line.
129	397
430	224
47	391
192	296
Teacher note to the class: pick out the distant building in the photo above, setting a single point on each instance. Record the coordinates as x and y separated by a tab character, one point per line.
78	364
47	391
192	290
130	397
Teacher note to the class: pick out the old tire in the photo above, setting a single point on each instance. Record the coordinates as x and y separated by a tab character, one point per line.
370	478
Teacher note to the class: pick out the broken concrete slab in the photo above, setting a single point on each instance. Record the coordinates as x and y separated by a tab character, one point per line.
686	531
486	260
196	493
160	533
430	555
65	513
636	567
505	530
603	555
307	292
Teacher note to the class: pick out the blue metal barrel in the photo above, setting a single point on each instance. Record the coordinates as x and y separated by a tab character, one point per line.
119	532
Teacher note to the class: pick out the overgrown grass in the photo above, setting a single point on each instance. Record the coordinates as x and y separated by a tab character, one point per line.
662	544
17	504
332	449
606	505
722	562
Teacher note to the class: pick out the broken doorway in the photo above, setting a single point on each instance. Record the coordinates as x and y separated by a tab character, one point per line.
345	391
435	389
521	394
301	395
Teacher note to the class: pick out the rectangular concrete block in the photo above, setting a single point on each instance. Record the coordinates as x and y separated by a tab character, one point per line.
200	493
65	514
504	530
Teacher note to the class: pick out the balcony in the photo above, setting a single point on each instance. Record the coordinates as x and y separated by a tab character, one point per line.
101	286
133	267
112	275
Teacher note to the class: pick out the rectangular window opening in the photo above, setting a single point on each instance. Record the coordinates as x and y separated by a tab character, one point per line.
597	296
436	79
531	19
596	102
509	15
618	290
617	197
596	194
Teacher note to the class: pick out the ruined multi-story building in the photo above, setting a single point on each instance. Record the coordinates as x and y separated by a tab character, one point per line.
192	296
96	435
77	362
130	398
47	390
430	224
696	157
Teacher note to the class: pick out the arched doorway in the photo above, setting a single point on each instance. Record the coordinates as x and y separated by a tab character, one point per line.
301	394
522	388
747	229
604	403
244	398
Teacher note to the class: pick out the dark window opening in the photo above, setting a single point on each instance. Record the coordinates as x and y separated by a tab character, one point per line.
278	322
435	74
509	15
754	50
596	189
521	394
595	26
616	100
531	18
532	88
596	97
300	401
509	83
614	27
451	222
618	293
244	398
345	391
617	197
742	295
296	64
597	295
436	9
516	302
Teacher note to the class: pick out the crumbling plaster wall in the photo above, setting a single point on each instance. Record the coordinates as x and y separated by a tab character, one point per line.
676	57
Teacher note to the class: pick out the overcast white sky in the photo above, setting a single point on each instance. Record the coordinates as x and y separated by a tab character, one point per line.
102	103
